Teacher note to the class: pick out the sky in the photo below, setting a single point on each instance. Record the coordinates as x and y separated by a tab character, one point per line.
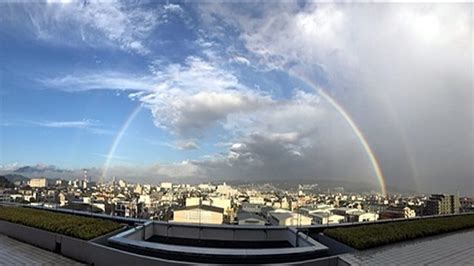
180	90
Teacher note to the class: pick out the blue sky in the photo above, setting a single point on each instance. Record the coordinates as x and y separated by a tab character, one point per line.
231	90
72	124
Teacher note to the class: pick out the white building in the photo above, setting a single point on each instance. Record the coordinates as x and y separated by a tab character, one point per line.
199	214
38	182
362	216
256	200
146	200
122	183
327	218
320	208
220	202
205	187
289	219
254	208
193	201
248	218
344	211
226	190
166	185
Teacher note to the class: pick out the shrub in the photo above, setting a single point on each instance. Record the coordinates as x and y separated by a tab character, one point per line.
374	235
76	226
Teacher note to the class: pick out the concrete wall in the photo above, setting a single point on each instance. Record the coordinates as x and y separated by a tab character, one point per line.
77	249
303	248
37	237
96	254
335	247
224	232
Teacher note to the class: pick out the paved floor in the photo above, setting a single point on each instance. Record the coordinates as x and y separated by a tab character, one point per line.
13	252
451	249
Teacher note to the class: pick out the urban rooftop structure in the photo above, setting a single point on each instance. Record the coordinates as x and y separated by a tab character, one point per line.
215	223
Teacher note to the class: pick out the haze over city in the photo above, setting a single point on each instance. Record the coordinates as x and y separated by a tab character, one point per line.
183	91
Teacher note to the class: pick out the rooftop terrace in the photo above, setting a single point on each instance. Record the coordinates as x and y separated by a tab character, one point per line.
14	252
448	249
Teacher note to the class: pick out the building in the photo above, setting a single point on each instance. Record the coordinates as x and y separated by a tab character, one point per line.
220	202
256	200
254	208
193	201
38	182
4	196
442	204
320	208
226	190
249	218
467	204
327	218
345	211
203	214
361	216
393	212
289	219
122	183
146	200
166	185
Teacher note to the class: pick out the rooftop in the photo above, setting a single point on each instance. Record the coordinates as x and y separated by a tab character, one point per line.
202	207
14	252
451	249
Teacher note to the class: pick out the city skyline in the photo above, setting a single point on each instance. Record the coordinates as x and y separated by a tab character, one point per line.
229	92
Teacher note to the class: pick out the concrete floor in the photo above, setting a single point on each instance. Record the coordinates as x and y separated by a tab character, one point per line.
13	252
449	249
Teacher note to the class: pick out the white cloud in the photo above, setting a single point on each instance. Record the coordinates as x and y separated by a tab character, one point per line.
173	8
9	167
187	145
91	126
122	25
241	60
178	170
103	80
191	98
68	124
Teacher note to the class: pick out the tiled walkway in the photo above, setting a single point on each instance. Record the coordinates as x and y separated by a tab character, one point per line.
13	252
451	249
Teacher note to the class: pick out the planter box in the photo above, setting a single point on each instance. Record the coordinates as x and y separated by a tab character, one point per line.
37	237
77	249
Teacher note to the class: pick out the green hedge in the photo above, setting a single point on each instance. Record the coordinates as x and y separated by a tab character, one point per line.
374	235
76	226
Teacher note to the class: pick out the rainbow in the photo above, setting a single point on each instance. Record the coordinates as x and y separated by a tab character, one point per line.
118	138
368	150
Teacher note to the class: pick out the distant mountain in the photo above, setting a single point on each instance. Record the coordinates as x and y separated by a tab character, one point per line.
48	171
5	183
16	177
38	169
322	184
